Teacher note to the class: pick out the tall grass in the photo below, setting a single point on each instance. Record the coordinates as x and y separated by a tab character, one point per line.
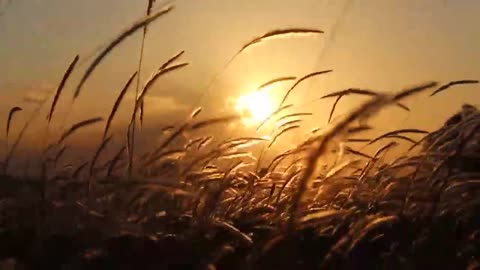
324	193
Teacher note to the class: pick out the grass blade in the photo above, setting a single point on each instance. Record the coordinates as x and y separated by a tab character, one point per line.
450	84
164	66
150	83
397	132
171	60
12	112
279	33
9	155
132	29
115	160
306	77
67	74
280	109
281	133
219	120
117	104
333	108
351	91
195	112
356	91
78	126
276	80
80	168
97	154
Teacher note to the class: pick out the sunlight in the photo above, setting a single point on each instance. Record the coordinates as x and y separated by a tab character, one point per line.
255	107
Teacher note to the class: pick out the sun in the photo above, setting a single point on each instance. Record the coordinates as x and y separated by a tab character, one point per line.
255	107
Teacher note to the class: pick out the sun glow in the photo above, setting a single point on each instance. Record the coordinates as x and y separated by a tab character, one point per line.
255	107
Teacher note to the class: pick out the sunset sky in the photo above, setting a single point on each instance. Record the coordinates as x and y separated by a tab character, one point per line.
375	44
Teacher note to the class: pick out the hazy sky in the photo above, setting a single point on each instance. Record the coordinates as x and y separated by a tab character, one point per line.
383	45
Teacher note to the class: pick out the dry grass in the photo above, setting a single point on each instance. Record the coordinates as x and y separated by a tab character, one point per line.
450	84
397	132
12	112
126	33
306	77
78	126
117	103
279	33
276	80
67	74
322	203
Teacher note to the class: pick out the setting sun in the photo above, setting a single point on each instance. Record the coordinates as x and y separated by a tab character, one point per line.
255	107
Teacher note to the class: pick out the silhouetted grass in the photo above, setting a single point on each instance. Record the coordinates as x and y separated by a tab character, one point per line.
201	201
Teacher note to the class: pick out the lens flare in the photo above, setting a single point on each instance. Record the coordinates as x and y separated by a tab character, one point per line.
255	107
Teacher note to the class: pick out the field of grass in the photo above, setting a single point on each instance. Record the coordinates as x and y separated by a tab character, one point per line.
201	202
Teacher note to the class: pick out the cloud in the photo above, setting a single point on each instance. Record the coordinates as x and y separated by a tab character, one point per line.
160	104
16	94
160	111
36	93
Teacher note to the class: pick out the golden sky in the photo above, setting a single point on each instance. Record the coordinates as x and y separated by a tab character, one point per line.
376	44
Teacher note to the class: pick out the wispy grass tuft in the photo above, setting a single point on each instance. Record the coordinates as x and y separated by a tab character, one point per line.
283	131
274	81
450	84
306	77
67	74
117	103
397	132
78	126
9	155
129	31
12	112
279	33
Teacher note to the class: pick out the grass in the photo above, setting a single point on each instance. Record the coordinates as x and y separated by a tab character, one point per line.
211	203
